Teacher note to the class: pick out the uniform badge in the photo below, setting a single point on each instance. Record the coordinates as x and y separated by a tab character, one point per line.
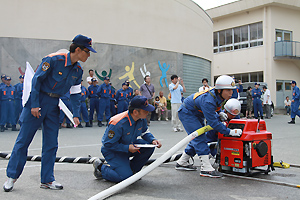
60	73
128	133
111	134
232	83
74	77
45	66
140	129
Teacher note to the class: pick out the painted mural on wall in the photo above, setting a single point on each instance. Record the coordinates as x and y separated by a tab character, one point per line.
119	62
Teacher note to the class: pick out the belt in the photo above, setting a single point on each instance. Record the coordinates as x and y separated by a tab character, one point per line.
52	94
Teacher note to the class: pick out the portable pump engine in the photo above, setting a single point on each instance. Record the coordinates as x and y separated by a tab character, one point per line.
249	153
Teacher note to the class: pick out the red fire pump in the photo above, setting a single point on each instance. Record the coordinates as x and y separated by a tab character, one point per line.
249	153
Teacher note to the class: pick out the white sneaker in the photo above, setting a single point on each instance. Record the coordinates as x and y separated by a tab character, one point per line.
52	185
9	184
175	129
158	119
166	119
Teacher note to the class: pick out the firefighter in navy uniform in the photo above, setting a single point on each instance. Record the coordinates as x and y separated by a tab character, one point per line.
18	99
121	98
295	102
94	100
55	76
257	104
113	101
193	111
104	92
83	108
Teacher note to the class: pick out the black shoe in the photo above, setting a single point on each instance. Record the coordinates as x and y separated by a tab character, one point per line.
292	121
262	117
212	174
185	168
91	123
100	124
69	125
5	128
14	128
59	126
2	129
97	164
87	124
80	126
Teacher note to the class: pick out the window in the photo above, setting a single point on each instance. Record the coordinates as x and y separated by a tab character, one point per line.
282	35
287	86
238	38
279	86
248	77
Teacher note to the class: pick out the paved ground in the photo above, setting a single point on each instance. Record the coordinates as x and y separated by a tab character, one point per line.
162	183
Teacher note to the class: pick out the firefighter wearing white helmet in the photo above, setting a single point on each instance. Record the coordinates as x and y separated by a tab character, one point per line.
193	111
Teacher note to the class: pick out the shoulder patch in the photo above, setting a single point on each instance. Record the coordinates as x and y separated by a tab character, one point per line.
111	134
45	66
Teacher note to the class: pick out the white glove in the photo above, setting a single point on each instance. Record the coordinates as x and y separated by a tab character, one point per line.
223	116
236	132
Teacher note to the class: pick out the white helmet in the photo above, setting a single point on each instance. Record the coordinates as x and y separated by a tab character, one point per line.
233	106
225	82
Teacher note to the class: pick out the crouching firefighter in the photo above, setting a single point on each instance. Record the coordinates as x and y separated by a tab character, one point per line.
193	111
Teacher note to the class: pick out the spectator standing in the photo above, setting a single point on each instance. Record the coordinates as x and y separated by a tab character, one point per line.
18	99
136	92
94	100
267	102
295	102
163	104
249	102
205	85
148	91
104	92
121	98
89	78
175	89
287	105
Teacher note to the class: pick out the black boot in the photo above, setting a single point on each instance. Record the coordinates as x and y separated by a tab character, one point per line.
91	123
87	124
100	124
69	125
2	128
14	128
80	125
292	122
262	117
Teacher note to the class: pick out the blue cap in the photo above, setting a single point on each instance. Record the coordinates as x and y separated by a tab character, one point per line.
293	82
124	84
84	41
257	83
142	103
106	78
3	76
93	79
22	76
7	78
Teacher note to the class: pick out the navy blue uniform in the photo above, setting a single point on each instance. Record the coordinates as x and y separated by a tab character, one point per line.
193	111
121	98
121	132
66	100
83	108
53	78
295	104
7	105
257	104
113	102
104	92
18	101
94	100
129	91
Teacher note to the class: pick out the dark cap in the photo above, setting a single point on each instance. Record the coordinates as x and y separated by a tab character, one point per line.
3	76
84	41
257	83
106	78
22	76
293	82
124	84
142	103
8	78
93	79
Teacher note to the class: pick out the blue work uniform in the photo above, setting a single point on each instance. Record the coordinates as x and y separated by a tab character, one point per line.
7	105
94	101
193	111
295	104
113	102
67	102
121	132
257	104
121	98
53	78
129	91
18	101
83	108
236	91
104	92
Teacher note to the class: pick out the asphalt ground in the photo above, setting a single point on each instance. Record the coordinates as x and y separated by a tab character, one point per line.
162	183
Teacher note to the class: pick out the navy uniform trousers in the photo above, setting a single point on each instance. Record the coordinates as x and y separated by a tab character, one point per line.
30	124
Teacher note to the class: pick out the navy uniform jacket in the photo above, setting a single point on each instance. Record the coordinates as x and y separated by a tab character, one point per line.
93	91
113	94
123	131
84	93
7	92
19	90
204	105
121	95
296	93
56	74
130	93
104	91
256	93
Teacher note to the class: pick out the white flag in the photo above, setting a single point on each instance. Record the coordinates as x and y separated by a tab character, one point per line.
29	73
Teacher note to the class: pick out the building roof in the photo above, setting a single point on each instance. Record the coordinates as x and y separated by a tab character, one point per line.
247	5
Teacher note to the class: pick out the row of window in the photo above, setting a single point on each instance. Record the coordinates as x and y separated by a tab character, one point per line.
246	36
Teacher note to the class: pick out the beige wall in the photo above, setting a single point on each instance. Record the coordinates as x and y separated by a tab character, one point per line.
179	26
